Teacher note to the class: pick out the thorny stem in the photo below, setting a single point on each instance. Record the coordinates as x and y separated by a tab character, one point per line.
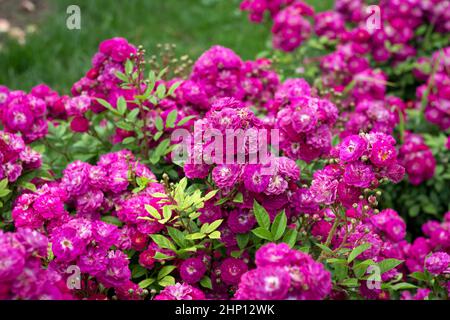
330	236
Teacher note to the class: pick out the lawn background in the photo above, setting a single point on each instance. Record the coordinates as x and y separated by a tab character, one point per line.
58	57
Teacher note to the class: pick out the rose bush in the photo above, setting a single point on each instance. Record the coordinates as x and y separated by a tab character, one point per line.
324	190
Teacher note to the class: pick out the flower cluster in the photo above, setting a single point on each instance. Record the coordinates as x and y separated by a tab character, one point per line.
437	90
417	159
305	122
21	273
363	161
284	273
16	157
266	180
180	291
257	8
23	113
290	25
219	72
101	80
87	244
430	252
374	116
233	219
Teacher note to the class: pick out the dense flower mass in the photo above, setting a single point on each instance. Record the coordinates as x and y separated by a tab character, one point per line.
22	275
283	273
417	158
16	157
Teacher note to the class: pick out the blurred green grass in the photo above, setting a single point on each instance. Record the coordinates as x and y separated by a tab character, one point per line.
59	57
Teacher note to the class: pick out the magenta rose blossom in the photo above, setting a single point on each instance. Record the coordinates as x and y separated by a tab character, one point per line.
192	270
231	270
358	174
352	148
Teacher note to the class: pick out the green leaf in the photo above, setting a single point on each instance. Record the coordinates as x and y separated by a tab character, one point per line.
206	282
107	105
124	125
340	271
138	271
133	114
419	276
159	124
122	76
165	271
177	236
159	195
262	233
174	87
128	140
167	214
236	254
3	183
210	195
359	269
158	135
171	118
214	235
239	198
153	212
185	120
195	236
290	237
160	150
145	283
28	185
414	210
161	256
324	247
128	66
388	264
167	281
242	239
357	251
261	216
112	220
279	225
162	73
161	91
403	286
213	226
4	193
163	242
121	105
352	282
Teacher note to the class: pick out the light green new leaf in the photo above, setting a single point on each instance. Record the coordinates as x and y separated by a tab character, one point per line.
163	242
145	283
167	281
153	212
